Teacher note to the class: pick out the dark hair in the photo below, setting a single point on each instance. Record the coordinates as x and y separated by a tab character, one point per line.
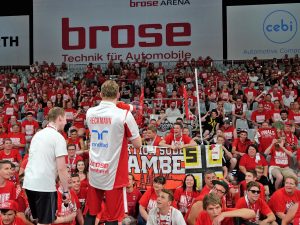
253	172
29	114
179	118
195	182
170	194
85	167
252	184
209	172
215	111
211	199
284	111
74	175
179	124
3	211
253	146
131	174
73	130
71	145
160	180
2	162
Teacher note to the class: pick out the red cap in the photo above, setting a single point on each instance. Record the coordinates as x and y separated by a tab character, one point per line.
10	205
288	123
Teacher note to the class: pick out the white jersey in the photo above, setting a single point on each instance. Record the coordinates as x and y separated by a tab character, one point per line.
41	170
176	217
110	127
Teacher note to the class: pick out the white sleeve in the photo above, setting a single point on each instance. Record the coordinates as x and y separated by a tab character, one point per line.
60	146
132	126
151	217
177	217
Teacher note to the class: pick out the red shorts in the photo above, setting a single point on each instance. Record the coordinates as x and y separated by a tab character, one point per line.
113	203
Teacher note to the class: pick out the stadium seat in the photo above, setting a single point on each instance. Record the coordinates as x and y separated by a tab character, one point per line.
212	105
227	108
251	133
248	114
242	124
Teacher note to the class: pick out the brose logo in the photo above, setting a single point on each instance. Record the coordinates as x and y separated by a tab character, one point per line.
99	137
280	26
151	35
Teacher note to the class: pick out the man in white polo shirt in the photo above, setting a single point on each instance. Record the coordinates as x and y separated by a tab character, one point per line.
47	159
110	128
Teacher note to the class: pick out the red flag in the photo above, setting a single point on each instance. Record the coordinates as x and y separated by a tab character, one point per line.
186	105
139	113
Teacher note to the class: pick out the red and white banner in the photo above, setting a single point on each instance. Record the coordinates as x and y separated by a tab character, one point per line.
75	31
14	40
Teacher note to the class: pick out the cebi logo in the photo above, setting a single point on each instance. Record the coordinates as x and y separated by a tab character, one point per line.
280	26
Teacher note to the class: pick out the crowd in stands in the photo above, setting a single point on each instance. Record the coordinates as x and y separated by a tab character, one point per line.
250	110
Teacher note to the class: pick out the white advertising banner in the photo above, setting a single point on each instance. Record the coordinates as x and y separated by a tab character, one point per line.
14	40
76	31
265	31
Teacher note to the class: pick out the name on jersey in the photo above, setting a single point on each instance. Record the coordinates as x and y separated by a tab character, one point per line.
100	120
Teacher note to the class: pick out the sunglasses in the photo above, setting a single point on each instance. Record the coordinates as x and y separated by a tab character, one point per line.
254	191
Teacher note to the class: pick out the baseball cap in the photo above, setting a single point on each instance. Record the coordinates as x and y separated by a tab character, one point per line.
222	183
10	205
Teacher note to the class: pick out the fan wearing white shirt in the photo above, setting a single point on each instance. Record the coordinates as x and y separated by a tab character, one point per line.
164	213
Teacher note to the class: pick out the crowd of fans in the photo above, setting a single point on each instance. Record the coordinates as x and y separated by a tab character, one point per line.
249	111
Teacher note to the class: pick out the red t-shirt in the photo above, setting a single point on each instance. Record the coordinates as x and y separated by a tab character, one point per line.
267	105
260	207
290	138
79	121
148	200
250	163
30	127
281	201
241	146
279	157
228	133
183	199
294	116
72	162
81	195
275	114
204	219
17	138
132	201
13	156
265	137
8	192
251	92
172	140
260	117
70	114
297	216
